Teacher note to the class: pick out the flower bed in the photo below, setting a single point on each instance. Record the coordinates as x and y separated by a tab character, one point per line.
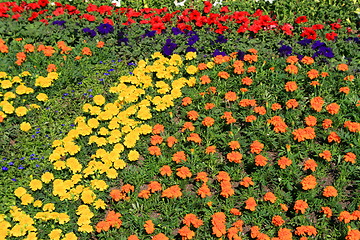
189	124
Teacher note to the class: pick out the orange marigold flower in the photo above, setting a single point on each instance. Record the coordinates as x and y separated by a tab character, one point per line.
202	66
234	145
86	51
186	101
202	176
284	234
284	207
210	150
315	83
183	172
342	67
235	211
246	182
192	219
127	188
352	126
350	157
330	191
247	103
171	141
345	90
306	230
154	150
284	162
244	90
292	103
194	137
157	129
160	236
165	170
333	108
144	194
186	233
324	74
238	64
250	118
302	134
204	191
310	121
246	81
269	196
223	176
291	86
209	106
250	204
223	75
133	237
310	164
219	59
278	123
226	189
218	221
300	206
172	192
353	234
327	211
275	106
254	231
309	182
312	74
100	44
230	96
260	110
154	186
253	51
307	60
116	194
208	121
326	154
349	78
251	69
189	126
292	59
51	68
333	137
292	69
149	227
317	103
327	123
256	147
234	157
156	139
250	58
277	220
205	79
346	217
193	115
260	160
102	226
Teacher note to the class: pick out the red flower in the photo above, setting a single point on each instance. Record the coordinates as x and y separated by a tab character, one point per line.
207	7
301	19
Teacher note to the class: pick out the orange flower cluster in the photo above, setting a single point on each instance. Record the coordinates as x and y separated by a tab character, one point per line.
292	103
326	154
250	204
225	184
21	57
269	196
231	96
317	103
204	190
179	156
353	234
156	139
303	134
171	141
333	108
291	86
223	75
246	81
192	219
333	137
152	187
205	79
228	117
300	206
158	128
256	147
278	123
186	101
310	164
194	137
346	217
111	220
186	233
208	121
234	156
352	126
350	157
250	118
330	191
121	194
183	172
312	74
233	231
149	227
247	103
327	123
327	211
310	121
189	126
309	182
218	221
154	150
172	192
3	47
63	47
284	234
284	162
234	145
306	231
277	220
193	115
260	110
165	170
246	182
292	69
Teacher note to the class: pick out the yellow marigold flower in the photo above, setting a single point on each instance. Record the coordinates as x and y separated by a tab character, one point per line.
3	74
7	107
53	75
25	126
37	203
34	106
88	196
93	123
42	97
35	184
70	236
99	204
21	111
133	155
58	165
25	73
55	234
86	228
111	173
63	218
26	199
73	164
47	177
99	100
192	69
43	82
19	192
210	65
191	82
190	55
9	95
49	207
5	84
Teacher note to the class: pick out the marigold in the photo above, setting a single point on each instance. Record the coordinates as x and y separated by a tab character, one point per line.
342	67
204	191
250	204
277	220
292	59
149	227
186	101
275	106
154	150
202	176
292	69
156	139
326	154
303	134
208	121
194	137
172	192
284	162
300	206
218	221
269	196
327	123
284	234
350	157
230	96
346	217
317	103
292	103
310	121
330	191
189	126
192	219
353	234
345	90
260	110
306	230
205	79
246	182
246	81
234	145
209	106
235	211
193	115
291	86
160	236
186	233
256	147
157	129
327	211
234	157
333	137
223	176
310	164
210	150
223	75
183	172
307	60
226	189
333	108
165	170
309	182
312	74
352	126
250	118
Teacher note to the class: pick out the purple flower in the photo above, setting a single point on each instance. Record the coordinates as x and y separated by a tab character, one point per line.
149	34
192	40
90	32
176	31
190	49
105	28
240	55
169	47
285	50
122	38
59	22
326	51
218	52
221	39
304	42
317	44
